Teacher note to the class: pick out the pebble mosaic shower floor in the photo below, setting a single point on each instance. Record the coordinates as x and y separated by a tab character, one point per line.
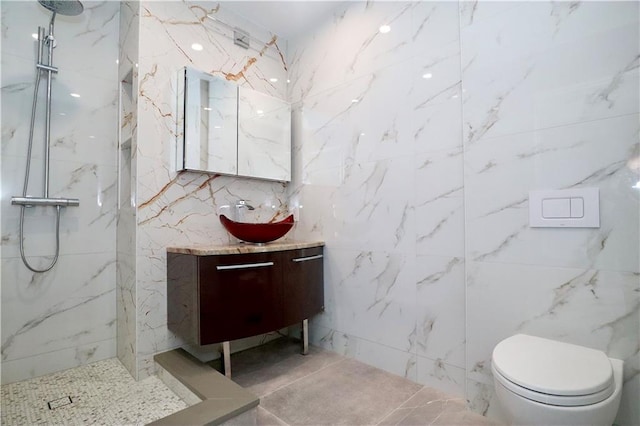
102	393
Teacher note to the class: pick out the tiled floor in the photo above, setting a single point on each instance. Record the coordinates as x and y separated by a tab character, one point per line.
324	388
102	393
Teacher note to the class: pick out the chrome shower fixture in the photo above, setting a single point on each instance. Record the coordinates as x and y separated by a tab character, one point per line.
46	45
63	7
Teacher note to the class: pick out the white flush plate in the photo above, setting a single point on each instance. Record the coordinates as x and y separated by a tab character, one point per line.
565	208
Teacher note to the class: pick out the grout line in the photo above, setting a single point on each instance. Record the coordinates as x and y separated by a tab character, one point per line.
274	415
402	403
393	411
303	377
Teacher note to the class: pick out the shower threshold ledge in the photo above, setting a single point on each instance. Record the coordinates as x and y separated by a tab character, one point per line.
222	400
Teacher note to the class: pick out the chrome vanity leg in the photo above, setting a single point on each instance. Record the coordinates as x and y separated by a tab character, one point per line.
305	336
226	357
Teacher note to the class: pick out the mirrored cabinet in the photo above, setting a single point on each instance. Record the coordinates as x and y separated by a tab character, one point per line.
231	130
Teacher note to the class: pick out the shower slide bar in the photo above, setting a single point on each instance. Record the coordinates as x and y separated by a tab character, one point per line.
39	201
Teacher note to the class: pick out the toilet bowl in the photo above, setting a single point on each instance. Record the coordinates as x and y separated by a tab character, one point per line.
544	382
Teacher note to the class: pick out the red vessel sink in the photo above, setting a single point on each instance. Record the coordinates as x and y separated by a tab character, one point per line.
257	232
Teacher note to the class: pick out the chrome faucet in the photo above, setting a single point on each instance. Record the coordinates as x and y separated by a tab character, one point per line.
243	204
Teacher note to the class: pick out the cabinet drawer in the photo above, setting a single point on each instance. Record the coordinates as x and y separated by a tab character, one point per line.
303	285
239	296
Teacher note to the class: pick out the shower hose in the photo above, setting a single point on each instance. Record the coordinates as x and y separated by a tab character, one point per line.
26	184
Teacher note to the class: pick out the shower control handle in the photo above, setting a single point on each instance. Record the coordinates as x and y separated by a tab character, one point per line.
39	201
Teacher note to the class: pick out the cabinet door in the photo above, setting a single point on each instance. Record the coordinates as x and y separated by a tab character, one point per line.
239	296
303	284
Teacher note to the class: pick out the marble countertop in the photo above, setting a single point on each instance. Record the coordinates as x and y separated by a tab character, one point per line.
240	248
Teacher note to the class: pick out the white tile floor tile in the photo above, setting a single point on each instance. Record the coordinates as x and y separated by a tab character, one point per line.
102	393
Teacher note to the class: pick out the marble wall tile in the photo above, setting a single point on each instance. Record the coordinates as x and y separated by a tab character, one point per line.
440	375
440	330
378	355
350	45
65	317
593	308
126	336
438	203
550	102
60	310
41	364
378	176
182	208
371	295
500	172
558	63
93	184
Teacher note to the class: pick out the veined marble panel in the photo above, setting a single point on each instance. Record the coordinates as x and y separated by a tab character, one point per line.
474	11
545	64
65	317
371	295
378	355
91	33
87	228
481	398
500	172
439	203
372	209
440	375
435	98
440	298
350	45
81	128
168	29
181	209
63	359
72	305
126	310
597	309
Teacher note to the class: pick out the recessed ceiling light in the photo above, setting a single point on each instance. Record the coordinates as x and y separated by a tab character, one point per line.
288	81
260	111
92	137
217	127
207	109
427	75
355	101
197	46
384	29
273	80
34	35
75	95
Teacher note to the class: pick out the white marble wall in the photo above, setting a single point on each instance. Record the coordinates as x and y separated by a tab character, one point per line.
550	101
419	185
378	175
172	208
126	203
65	317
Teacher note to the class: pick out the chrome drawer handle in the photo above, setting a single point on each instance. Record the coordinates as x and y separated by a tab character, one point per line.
304	259
244	266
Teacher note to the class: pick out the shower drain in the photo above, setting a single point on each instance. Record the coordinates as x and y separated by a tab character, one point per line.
60	402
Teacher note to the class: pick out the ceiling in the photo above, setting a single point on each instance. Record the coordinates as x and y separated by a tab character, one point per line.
287	19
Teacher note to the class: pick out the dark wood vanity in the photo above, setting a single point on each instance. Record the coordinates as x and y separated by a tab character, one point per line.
220	294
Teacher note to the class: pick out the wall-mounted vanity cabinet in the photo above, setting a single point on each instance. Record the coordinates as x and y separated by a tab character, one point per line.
221	294
227	129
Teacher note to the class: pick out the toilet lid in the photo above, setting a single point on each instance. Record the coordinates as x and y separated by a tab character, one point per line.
551	367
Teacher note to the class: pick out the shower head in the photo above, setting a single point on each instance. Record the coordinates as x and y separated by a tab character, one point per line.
63	7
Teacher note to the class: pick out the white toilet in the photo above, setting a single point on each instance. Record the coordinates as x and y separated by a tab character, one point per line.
544	382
